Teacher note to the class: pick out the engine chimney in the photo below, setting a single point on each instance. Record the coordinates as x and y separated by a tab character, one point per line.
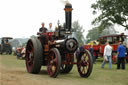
68	16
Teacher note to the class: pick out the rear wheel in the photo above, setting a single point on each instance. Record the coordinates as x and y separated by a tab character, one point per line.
34	55
54	62
84	64
10	50
2	49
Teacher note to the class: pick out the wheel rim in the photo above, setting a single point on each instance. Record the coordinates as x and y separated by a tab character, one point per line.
29	56
53	66
84	64
52	63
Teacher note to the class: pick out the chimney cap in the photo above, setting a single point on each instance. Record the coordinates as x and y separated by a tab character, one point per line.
68	5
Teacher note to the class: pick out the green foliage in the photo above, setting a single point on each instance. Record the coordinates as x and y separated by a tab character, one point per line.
33	36
15	43
108	31
93	34
96	32
78	32
19	42
112	12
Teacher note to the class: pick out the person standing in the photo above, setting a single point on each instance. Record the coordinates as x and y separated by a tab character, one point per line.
77	53
43	29
121	56
91	50
81	48
50	28
107	55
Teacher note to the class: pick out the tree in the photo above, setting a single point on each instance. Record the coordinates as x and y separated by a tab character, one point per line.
15	43
78	32
95	33
33	36
112	12
108	31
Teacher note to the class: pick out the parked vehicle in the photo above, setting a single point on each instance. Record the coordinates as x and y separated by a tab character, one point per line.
5	46
114	40
20	52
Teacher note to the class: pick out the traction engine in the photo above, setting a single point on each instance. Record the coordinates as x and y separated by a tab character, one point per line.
56	51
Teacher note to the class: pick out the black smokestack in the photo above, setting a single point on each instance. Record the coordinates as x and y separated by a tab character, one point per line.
68	16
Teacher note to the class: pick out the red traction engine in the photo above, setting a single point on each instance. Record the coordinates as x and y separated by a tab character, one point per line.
56	51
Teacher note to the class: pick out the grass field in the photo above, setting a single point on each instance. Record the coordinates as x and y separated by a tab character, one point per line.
13	72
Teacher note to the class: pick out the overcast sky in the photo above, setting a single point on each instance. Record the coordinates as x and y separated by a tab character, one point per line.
22	18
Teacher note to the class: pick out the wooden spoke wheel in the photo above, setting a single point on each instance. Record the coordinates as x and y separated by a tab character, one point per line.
33	56
54	62
84	64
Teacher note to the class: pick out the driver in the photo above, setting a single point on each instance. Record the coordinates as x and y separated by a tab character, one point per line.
43	29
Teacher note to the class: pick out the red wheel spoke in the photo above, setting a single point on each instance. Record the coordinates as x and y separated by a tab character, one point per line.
30	61
50	67
55	60
53	63
79	65
84	64
52	57
31	45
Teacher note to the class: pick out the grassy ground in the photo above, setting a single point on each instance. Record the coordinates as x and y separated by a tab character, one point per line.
13	72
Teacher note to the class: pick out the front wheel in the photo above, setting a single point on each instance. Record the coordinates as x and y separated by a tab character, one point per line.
54	62
84	64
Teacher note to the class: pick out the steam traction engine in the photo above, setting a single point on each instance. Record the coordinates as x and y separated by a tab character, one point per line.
56	51
5	46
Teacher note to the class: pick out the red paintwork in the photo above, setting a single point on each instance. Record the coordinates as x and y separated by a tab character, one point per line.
126	57
99	49
29	60
102	49
115	46
95	47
